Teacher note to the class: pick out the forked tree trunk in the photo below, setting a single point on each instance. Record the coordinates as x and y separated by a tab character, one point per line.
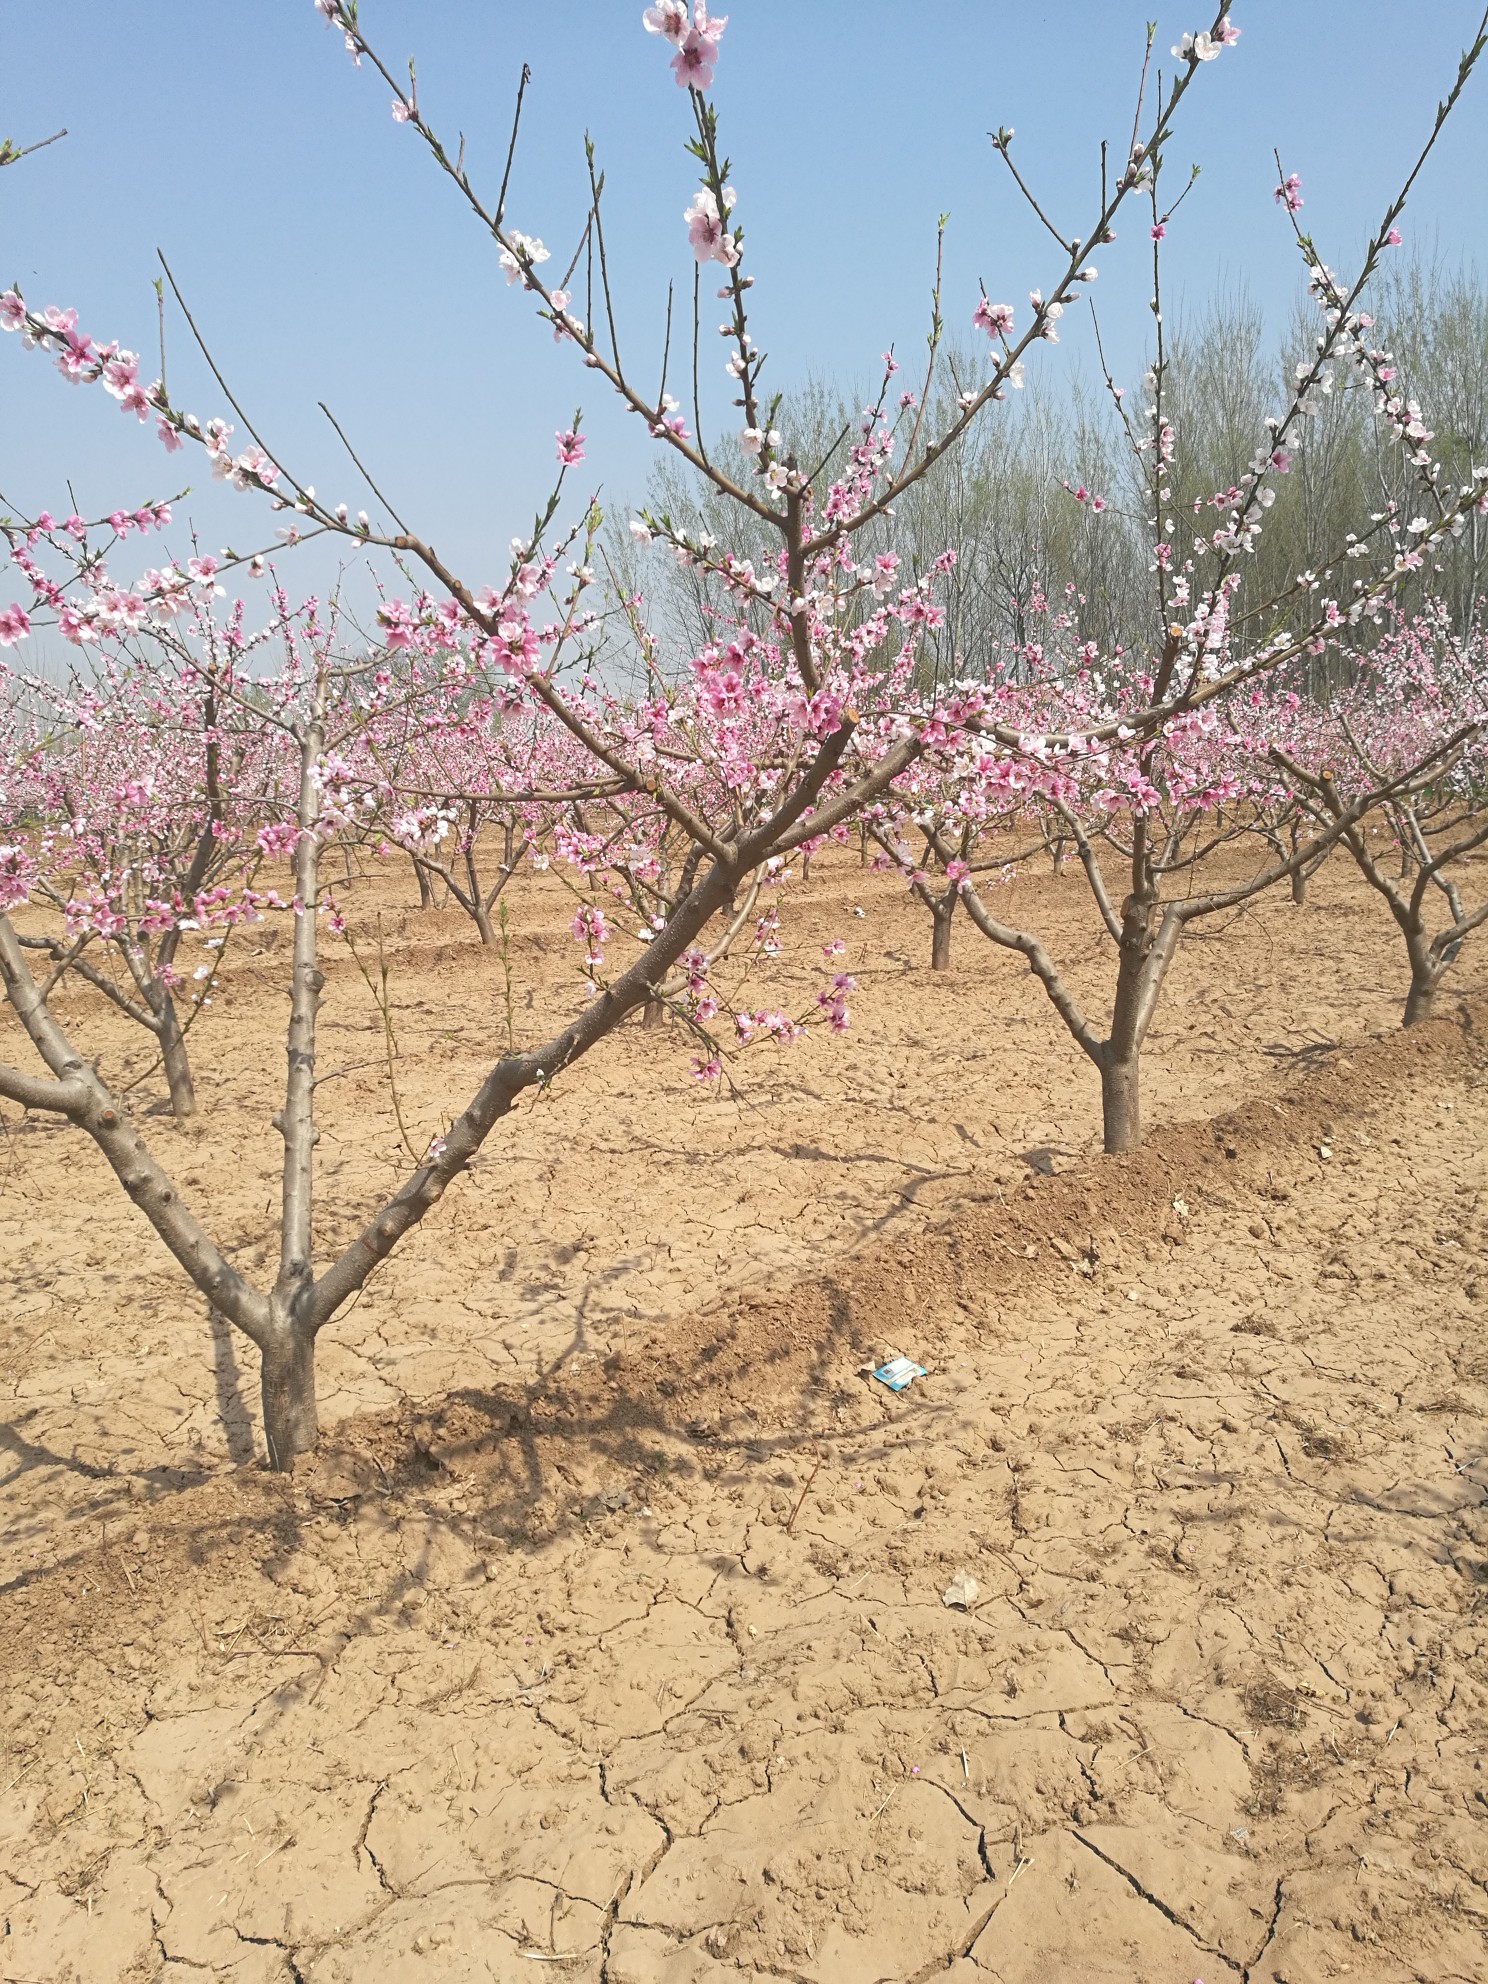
940	939
1121	1103
288	1389
482	921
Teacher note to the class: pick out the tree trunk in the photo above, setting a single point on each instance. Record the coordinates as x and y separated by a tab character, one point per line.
1121	1112
1421	998
653	1011
177	1063
425	887
288	1386
1299	885
477	894
940	941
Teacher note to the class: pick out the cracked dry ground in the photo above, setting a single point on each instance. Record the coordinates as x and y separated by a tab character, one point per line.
635	1665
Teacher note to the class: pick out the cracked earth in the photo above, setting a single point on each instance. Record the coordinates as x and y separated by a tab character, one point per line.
605	1631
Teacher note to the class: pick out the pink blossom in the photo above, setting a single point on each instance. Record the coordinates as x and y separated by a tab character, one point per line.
885	571
1160	231
14	881
119	373
706	231
397	624
401	111
279	839
12	311
570	447
695	59
1289	193
74	359
1392	240
515	648
15	625
593	932
669	18
996	319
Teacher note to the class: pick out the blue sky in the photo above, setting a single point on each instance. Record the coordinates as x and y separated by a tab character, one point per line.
325	258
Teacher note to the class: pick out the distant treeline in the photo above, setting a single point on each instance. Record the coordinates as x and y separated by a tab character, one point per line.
999	498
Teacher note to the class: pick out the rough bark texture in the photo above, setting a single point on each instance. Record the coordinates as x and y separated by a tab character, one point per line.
1421	998
1121	1112
288	1389
177	1063
940	941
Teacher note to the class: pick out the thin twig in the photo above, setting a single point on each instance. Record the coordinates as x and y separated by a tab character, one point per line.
9	153
366	473
511	150
800	1499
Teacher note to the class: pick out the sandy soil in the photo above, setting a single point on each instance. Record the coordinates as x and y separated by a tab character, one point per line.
606	1630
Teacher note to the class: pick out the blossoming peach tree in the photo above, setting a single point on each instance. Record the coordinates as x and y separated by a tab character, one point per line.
776	736
1150	756
1407	725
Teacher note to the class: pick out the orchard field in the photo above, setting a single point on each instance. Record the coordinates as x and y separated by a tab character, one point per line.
745	1242
606	1622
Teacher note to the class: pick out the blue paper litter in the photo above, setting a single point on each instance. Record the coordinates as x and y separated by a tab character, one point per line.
899	1372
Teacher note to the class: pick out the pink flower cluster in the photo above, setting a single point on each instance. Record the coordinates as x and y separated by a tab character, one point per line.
996	319
695	40
708	231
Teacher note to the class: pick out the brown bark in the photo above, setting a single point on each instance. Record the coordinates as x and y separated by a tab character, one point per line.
940	940
291	1425
1121	1103
176	1062
1420	1001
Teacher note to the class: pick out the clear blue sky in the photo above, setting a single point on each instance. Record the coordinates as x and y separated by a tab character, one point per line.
325	258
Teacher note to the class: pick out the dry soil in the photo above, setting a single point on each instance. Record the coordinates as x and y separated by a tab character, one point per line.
606	1630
